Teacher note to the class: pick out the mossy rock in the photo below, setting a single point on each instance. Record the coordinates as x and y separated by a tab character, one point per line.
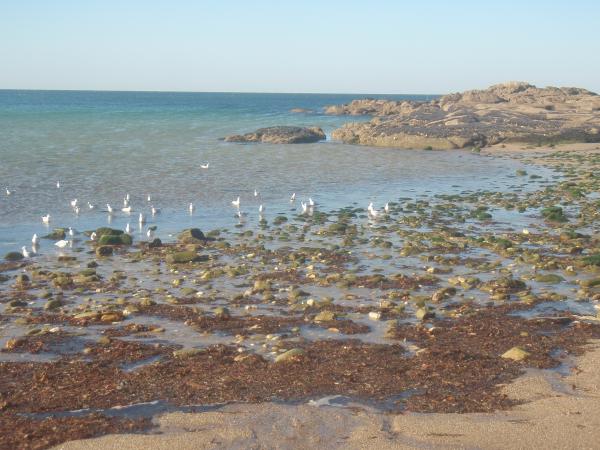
113	239
592	260
290	355
325	316
554	214
550	278
279	220
192	236
13	256
591	283
57	234
107	231
53	304
185	257
104	250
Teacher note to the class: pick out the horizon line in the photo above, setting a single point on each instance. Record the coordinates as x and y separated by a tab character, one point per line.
214	92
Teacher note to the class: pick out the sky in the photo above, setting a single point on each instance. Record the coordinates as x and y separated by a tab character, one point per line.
368	46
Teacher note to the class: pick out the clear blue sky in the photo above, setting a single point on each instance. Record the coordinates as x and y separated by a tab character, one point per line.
369	46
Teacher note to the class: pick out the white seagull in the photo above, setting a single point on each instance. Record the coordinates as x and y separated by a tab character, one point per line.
293	197
62	243
142	219
126	209
128	228
255	193
311	202
71	232
77	210
46	218
8	192
109	208
304	207
236	203
149	198
155	211
58	185
93	236
35	239
204	166
90	206
149	233
73	203
24	252
191	208
261	208
386	208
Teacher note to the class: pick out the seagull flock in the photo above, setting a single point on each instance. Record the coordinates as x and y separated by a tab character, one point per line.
306	208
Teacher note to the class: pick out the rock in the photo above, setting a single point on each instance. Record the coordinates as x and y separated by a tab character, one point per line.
111	317
107	231
281	135
13	256
325	316
510	112
156	242
57	234
550	278
222	313
442	294
184	257
17	304
187	352
290	355
516	354
192	236
104	250
593	282
66	258
22	280
424	314
375	315
53	304
115	239
88	315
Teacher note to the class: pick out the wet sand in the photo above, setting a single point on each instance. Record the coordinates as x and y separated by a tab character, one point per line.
559	412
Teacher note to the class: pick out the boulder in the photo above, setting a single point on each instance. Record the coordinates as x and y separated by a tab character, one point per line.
281	135
192	236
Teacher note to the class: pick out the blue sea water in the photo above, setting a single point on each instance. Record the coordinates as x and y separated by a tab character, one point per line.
104	145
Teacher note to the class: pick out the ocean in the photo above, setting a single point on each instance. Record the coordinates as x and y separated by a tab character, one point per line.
102	146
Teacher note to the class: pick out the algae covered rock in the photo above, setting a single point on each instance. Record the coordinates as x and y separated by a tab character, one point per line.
290	355
281	135
184	257
57	234
192	236
104	250
115	239
325	316
13	256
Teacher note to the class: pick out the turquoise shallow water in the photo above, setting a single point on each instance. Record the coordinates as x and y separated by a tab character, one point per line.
103	145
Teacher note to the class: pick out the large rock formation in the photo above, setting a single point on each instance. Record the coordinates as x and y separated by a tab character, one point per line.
281	135
510	112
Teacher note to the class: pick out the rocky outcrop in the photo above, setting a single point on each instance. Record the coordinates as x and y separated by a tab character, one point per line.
510	112
281	135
